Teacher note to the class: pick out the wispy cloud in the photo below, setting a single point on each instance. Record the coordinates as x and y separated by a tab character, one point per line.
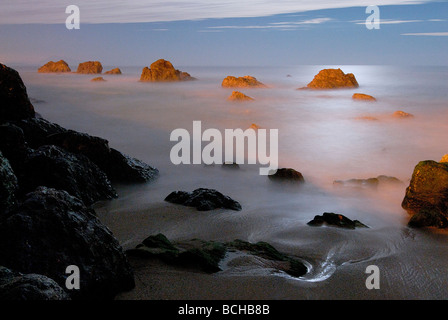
283	25
119	11
428	34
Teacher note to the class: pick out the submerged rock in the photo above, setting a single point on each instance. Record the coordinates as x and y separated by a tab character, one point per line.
90	67
402	115
241	82
52	230
15	286
203	199
163	71
51	67
14	101
288	175
363	97
98	79
239	96
333	79
427	194
113	71
368	183
337	220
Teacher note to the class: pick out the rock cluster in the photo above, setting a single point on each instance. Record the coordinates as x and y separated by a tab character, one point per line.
163	71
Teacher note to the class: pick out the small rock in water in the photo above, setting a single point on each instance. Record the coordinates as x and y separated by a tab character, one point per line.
203	199
98	79
288	175
363	97
402	115
338	220
444	158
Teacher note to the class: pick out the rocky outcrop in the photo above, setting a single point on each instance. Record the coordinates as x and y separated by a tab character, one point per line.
208	255
90	67
52	67
241	82
113	71
333	79
239	96
426	198
402	115
363	97
203	199
51	230
15	286
8	185
98	79
334	219
373	183
444	158
14	101
287	175
163	71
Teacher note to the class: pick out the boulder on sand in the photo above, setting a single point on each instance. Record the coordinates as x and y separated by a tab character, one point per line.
241	82
90	67
163	71
333	79
51	67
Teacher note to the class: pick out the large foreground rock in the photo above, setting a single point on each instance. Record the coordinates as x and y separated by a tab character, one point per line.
426	197
51	230
241	82
333	79
8	185
163	71
51	67
15	286
203	199
90	67
14	101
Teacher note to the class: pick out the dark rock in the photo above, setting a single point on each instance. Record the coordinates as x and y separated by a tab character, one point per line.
428	217
14	101
287	174
230	165
203	199
51	230
428	190
15	286
338	220
54	167
37	131
372	183
13	145
8	185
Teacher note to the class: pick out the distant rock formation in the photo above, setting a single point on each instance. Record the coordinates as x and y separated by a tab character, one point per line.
90	67
363	97
239	96
51	66
402	115
163	71
113	71
368	183
242	82
333	79
98	79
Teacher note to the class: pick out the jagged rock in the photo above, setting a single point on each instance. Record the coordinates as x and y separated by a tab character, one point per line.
51	66
203	199
15	286
427	194
14	101
13	145
113	71
8	185
241	82
444	158
98	79
287	175
54	167
90	67
239	96
338	220
362	96
51	230
163	71
38	130
402	115
333	79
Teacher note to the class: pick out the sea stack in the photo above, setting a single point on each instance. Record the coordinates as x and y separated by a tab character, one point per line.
113	71
333	79
163	71
363	97
54	67
90	67
242	82
239	96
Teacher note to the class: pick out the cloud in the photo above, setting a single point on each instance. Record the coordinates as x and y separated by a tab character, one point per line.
119	11
428	34
282	26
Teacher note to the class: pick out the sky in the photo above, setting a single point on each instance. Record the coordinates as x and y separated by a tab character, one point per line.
225	33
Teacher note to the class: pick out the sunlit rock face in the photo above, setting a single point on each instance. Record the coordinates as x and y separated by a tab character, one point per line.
163	71
402	115
90	67
363	97
113	71
98	79
333	79
54	67
444	158
239	96
242	82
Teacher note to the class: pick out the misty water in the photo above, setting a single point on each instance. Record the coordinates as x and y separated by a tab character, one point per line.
319	135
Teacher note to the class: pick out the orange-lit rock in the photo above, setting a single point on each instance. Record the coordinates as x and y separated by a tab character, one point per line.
90	67
363	97
98	79
51	66
254	126
444	158
242	82
402	114
239	96
333	79
163	71
113	71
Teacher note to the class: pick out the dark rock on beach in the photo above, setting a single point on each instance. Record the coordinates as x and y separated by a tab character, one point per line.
287	175
337	220
51	230
15	286
203	199
14	101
